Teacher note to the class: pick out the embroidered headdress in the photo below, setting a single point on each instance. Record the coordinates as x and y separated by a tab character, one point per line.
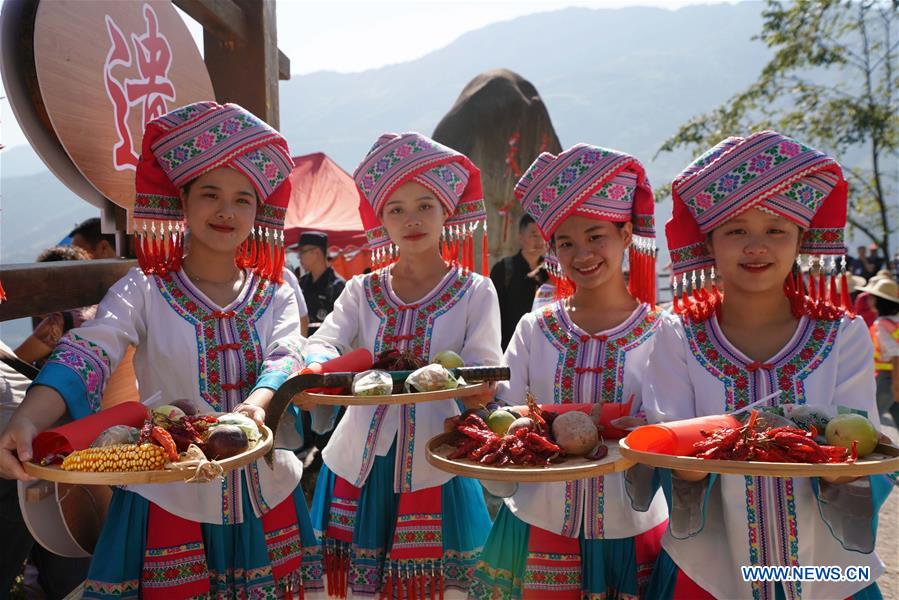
600	184
190	141
774	173
396	159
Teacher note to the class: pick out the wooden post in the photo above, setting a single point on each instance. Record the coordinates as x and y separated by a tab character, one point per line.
246	70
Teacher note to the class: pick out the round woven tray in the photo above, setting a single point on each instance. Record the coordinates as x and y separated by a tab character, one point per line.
884	459
55	473
572	468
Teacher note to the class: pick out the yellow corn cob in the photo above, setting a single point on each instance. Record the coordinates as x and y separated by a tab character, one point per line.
117	458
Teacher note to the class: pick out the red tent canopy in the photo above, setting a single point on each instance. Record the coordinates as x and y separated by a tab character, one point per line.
324	198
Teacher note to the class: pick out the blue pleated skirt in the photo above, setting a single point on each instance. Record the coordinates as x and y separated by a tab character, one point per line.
465	524
236	555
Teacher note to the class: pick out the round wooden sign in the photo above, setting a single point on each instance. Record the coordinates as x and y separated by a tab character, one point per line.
105	68
23	93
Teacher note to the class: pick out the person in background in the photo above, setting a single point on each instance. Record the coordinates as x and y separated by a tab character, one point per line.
291	280
875	259
885	335
38	346
517	277
320	285
89	237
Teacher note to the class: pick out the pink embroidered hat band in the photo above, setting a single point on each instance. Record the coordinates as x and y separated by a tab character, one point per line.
600	184
190	141
396	159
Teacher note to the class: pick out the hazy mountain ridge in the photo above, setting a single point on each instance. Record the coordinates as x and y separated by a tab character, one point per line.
624	78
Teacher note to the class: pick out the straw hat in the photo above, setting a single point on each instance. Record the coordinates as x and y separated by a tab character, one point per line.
881	274
884	288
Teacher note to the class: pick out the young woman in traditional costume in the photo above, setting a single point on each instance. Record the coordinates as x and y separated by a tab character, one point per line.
216	328
743	213
581	538
393	525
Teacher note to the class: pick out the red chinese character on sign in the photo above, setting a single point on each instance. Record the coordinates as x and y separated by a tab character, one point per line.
152	57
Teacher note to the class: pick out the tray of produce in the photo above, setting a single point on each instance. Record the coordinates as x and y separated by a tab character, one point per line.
540	446
397	378
804	443
172	446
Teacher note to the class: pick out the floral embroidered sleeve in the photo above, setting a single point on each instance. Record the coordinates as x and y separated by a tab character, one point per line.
82	361
284	352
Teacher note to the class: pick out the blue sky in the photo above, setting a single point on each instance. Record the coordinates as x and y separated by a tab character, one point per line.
348	36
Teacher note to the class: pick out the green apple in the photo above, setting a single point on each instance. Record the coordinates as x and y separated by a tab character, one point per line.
499	421
449	359
842	430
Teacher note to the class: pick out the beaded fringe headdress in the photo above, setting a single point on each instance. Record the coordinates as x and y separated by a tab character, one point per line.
396	159
190	141
600	184
776	174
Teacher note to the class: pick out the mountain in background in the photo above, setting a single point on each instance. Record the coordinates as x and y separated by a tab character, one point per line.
624	78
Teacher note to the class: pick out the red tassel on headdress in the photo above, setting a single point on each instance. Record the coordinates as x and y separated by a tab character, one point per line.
2	293
563	287
845	298
240	258
277	275
262	258
834	296
696	303
812	289
485	254
254	251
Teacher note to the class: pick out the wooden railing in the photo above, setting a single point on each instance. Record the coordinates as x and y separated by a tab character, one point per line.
40	288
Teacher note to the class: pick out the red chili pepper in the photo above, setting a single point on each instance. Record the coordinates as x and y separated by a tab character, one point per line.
475	421
787	438
200	419
778	455
491	446
516	448
476	434
164	438
543	444
774	431
463	449
489	459
835	453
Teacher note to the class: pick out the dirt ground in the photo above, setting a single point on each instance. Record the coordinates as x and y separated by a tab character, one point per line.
888	537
